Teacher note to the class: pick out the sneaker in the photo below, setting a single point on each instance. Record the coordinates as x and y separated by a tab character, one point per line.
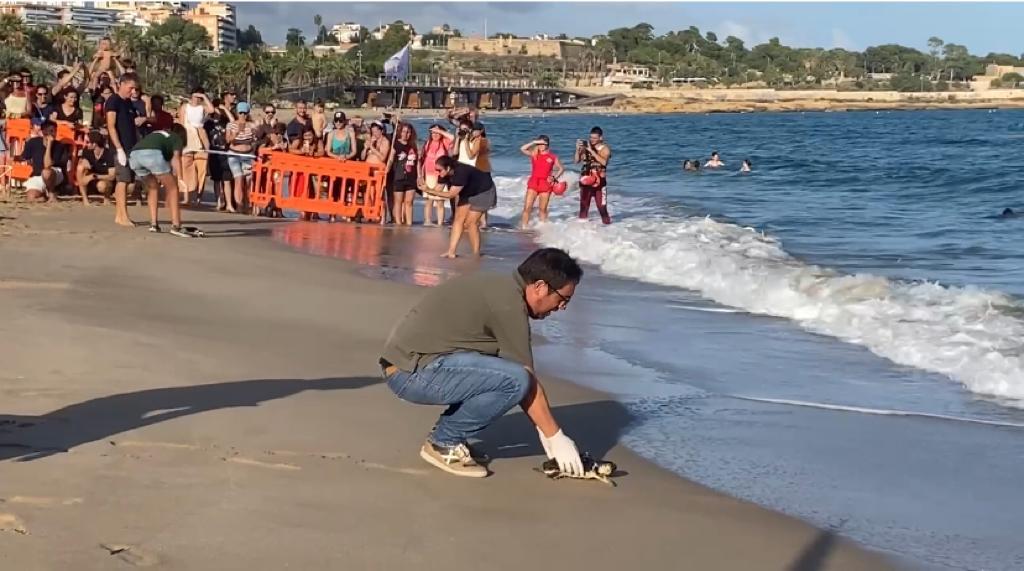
478	456
154	228
452	459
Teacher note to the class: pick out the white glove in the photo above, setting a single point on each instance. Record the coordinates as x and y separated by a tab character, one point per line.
122	159
544	443
564	451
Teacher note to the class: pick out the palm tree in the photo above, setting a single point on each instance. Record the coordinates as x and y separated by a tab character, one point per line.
127	40
249	65
12	31
318	21
300	67
64	40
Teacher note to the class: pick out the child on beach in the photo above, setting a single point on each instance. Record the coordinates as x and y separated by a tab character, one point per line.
545	170
438	145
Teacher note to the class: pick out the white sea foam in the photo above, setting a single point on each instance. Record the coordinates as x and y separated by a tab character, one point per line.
971	335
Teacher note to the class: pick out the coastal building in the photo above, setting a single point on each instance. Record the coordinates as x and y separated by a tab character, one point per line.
143	14
559	49
380	31
93	22
993	72
443	30
628	75
218	18
346	33
329	50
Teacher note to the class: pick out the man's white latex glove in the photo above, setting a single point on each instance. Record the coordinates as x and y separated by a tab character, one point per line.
563	450
544	443
122	158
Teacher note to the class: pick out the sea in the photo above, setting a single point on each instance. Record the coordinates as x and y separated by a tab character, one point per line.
837	335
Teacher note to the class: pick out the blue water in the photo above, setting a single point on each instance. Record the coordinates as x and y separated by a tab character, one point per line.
838	335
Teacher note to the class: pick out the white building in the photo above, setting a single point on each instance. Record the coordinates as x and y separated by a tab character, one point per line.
347	33
380	31
93	22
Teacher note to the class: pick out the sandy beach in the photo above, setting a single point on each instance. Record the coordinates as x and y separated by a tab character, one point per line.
215	404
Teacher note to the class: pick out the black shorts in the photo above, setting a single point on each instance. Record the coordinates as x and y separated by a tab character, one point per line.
402	185
219	170
123	173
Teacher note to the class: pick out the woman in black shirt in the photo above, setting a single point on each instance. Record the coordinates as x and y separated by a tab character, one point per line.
67	108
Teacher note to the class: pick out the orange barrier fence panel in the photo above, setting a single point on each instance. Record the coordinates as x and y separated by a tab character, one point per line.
320	185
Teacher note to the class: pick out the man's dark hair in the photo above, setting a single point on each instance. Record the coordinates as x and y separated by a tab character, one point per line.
47	125
156	98
280	129
597	131
179	130
126	63
552	266
62	73
129	76
444	162
96	138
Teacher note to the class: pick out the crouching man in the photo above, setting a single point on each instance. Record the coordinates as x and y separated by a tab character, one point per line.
96	169
466	344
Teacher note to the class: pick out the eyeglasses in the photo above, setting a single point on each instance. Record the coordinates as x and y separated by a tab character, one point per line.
269	111
564	300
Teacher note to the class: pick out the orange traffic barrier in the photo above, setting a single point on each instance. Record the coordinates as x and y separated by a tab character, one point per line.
18	131
351	189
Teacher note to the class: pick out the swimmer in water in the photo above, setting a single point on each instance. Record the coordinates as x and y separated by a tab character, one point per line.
746	166
1008	213
714	162
691	166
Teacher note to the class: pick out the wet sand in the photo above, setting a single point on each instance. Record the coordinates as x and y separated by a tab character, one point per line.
215	404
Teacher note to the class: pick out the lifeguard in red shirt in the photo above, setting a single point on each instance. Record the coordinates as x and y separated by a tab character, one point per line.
545	171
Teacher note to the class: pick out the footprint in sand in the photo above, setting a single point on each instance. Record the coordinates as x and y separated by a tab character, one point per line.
11	522
131	554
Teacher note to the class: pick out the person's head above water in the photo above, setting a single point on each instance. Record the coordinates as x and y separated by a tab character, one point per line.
714	154
1008	212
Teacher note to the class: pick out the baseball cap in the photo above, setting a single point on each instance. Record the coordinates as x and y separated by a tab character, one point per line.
242	107
340	116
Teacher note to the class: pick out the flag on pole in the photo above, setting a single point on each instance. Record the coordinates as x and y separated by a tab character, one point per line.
397	66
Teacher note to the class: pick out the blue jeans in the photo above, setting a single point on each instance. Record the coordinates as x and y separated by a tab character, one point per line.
478	388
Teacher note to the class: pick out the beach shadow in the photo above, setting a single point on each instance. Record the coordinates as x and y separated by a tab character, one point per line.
814	557
595	426
27	438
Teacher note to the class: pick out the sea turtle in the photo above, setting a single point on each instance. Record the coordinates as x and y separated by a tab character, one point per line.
601	470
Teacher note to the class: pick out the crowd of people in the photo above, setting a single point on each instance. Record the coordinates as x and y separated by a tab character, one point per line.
133	146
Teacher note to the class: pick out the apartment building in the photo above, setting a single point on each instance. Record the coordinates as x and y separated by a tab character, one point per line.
219	20
93	22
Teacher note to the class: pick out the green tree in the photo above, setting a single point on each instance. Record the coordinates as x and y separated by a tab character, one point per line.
13	33
249	38
1012	79
65	39
294	39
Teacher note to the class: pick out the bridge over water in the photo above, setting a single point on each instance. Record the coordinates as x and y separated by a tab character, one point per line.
434	92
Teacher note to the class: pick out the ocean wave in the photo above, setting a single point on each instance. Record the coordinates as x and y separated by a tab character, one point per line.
971	335
880	411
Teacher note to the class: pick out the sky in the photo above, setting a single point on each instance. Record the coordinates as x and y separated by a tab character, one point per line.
983	28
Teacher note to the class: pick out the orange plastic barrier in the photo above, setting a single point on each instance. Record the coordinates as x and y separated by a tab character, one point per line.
320	185
18	131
